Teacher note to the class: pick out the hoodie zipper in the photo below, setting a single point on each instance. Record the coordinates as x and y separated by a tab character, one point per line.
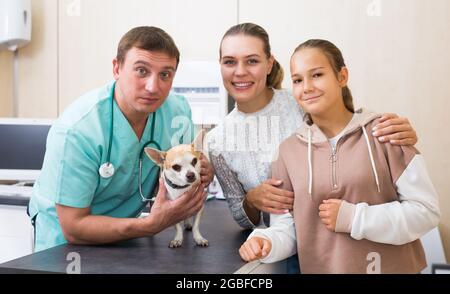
333	156
333	160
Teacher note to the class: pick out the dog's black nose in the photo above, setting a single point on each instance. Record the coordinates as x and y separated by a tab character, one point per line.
190	176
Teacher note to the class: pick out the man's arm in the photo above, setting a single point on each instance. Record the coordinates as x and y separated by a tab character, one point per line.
79	226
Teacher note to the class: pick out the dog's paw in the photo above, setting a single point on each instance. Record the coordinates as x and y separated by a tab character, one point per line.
175	243
201	242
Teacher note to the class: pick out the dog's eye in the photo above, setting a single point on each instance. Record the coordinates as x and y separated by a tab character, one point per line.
194	161
176	167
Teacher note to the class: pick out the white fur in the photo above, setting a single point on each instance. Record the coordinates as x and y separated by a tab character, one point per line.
182	156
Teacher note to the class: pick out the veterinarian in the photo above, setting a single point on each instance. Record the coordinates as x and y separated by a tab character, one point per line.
95	180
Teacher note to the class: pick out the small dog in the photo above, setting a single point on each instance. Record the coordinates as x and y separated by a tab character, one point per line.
180	169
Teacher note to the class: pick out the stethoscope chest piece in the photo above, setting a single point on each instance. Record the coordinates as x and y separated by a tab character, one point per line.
106	170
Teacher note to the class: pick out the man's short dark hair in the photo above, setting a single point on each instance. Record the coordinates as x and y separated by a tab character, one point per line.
147	38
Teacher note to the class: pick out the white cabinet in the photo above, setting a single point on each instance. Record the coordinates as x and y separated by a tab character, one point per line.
16	233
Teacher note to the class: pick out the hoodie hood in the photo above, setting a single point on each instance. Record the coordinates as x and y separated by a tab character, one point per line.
360	119
313	135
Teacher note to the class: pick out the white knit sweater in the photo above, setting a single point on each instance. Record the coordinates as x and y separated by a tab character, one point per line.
243	146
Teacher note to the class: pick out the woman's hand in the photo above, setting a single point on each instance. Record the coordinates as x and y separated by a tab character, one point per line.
328	212
268	198
255	248
206	171
395	130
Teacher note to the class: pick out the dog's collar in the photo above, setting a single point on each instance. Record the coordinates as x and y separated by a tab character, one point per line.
175	186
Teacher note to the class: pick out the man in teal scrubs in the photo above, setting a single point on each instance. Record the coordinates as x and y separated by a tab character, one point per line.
71	202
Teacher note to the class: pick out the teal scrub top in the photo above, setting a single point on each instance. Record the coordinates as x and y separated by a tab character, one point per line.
77	145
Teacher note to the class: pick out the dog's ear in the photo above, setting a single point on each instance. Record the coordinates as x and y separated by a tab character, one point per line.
155	155
198	154
197	144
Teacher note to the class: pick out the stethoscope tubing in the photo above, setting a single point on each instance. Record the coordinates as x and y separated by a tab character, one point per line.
108	163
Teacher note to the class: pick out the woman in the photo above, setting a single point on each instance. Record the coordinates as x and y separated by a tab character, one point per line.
242	146
354	197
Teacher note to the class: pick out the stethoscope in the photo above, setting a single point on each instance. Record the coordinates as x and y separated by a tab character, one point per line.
106	170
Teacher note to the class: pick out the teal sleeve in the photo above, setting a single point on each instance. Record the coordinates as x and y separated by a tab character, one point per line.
72	165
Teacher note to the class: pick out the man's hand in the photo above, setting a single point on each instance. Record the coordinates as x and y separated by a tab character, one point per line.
328	212
165	213
206	171
255	248
395	130
268	198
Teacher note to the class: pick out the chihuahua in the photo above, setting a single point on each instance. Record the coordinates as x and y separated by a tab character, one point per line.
180	169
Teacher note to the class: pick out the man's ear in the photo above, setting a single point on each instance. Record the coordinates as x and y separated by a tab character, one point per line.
197	144
156	156
116	67
343	77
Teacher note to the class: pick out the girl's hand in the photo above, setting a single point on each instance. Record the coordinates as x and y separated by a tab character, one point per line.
328	212
255	248
395	130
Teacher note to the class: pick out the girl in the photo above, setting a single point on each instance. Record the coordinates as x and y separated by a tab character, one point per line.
354	197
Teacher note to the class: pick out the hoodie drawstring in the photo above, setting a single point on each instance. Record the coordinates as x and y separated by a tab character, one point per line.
310	163
371	158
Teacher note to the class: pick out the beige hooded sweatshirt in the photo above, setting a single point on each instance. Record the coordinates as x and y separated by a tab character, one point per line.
389	202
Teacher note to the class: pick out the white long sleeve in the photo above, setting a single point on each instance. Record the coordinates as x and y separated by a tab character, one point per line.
281	234
403	221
